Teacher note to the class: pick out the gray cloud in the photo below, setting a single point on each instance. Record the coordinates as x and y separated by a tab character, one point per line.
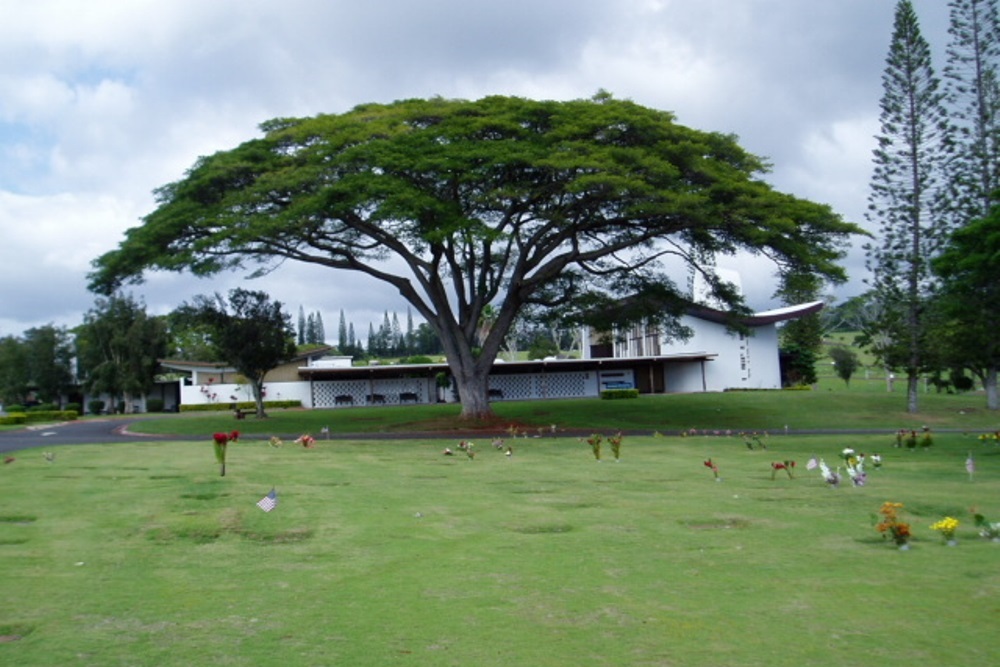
101	102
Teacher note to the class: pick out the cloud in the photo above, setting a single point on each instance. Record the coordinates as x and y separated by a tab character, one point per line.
104	101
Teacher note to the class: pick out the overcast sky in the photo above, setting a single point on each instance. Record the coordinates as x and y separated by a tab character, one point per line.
104	100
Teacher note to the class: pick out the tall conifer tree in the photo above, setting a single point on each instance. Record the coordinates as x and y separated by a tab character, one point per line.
342	342
973	95
904	202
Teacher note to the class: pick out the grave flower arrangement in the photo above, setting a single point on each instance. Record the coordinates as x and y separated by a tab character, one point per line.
595	441
616	444
782	465
947	527
220	442
892	526
988	529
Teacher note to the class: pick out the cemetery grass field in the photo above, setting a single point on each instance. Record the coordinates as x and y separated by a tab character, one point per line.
865	405
387	552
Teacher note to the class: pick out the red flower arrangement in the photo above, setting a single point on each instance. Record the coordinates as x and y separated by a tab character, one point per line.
782	465
220	440
715	469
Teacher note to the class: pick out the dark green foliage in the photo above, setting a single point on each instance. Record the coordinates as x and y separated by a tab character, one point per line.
542	346
250	332
798	365
968	307
845	362
501	202
971	84
617	394
240	405
119	347
905	201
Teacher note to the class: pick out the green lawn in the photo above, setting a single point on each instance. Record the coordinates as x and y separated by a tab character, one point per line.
865	405
386	553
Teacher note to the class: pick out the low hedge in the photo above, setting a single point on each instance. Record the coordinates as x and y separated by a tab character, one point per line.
615	394
36	416
246	406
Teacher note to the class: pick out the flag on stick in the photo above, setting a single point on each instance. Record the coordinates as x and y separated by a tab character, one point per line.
268	502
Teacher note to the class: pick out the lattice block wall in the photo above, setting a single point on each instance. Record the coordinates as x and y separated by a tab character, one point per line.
325	393
543	385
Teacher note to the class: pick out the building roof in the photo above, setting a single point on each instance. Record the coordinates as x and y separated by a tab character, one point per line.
757	319
500	367
221	367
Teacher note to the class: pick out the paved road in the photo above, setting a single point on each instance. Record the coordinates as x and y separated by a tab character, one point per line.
103	431
82	432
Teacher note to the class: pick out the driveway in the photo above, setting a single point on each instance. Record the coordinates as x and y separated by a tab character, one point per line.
81	432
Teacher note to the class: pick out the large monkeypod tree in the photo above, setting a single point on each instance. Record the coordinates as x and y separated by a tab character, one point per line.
501	202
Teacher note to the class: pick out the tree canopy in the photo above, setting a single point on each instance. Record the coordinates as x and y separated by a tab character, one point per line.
119	348
251	333
905	200
501	202
969	300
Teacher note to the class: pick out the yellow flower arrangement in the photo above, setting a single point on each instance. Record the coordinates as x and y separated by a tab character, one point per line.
946	527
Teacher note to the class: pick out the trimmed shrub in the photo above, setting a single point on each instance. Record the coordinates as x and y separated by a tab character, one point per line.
75	407
13	419
615	394
35	416
95	407
15	407
246	406
154	404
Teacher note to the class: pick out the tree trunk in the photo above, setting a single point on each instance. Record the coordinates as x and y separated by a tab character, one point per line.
912	392
473	390
990	385
258	397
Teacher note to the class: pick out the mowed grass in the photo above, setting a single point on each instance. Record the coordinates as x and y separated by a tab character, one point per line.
864	405
390	553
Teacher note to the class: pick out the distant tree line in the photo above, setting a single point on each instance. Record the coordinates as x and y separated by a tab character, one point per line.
117	348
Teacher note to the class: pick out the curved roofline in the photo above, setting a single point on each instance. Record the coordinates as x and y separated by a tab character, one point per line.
757	319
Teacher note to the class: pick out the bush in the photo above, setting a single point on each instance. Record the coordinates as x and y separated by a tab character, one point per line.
14	407
417	359
95	407
74	407
35	416
44	407
13	419
246	406
614	394
154	404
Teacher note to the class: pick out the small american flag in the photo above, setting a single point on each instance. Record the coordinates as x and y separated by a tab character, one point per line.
268	502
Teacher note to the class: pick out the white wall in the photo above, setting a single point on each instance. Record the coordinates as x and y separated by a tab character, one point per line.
224	394
742	362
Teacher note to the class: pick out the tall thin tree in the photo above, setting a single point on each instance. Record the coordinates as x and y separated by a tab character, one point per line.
904	200
973	95
342	342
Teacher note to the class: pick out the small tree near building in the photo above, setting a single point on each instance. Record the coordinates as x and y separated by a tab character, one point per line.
845	362
250	333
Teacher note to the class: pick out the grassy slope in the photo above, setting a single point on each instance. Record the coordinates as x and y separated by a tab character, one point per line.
864	405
